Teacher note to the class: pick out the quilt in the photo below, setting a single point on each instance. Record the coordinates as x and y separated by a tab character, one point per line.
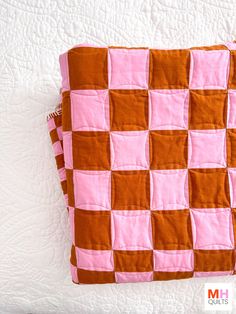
145	145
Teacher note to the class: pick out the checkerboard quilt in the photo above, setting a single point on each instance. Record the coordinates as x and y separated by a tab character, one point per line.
145	145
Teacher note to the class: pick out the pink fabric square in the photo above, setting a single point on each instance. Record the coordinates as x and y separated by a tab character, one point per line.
131	230
173	260
128	68
232	186
74	273
92	189
57	148
94	259
62	174
207	149
133	276
168	109
51	125
63	60
231	119
199	274
90	110
212	228
129	150
72	223
169	189
67	147
59	133
209	69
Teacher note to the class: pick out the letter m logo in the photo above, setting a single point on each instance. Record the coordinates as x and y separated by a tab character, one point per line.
212	294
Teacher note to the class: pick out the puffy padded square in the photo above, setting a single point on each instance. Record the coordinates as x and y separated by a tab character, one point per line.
232	186
88	68
167	275
208	188
57	148
91	150
90	110
131	230
169	189
231	120
199	274
207	149
232	71
207	109
92	189
168	109
94	259
92	229
171	230
209	69
130	190
128	68
129	150
133	261
169	69
128	110
168	149
133	276
95	277
231	147
213	260
67	148
171	260
233	212
212	228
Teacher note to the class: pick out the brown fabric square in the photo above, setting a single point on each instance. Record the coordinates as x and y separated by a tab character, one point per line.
232	70
231	147
169	69
73	260
133	261
207	109
93	229
213	260
172	230
128	110
234	224
91	150
60	161
97	277
66	109
130	190
70	187
208	188
54	136
168	149
88	68
167	275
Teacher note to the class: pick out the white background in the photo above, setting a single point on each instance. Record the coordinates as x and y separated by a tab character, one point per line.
34	232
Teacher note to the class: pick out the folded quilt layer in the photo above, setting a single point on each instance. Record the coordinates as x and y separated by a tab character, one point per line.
145	146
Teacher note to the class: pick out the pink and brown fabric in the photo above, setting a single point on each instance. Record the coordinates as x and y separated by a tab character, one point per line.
145	146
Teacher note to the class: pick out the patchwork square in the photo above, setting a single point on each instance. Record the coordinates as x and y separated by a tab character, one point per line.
173	260
92	189
209	69
169	189
92	229
129	150
168	109
233	211
128	110
90	110
95	277
207	109
171	230
128	68
169	69
168	149
134	276
207	149
131	230
88	68
133	261
231	147
208	188
212	229
213	260
231	119
91	150
232	186
94	259
232	71
130	190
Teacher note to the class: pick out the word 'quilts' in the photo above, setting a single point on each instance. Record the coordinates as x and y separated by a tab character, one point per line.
145	146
